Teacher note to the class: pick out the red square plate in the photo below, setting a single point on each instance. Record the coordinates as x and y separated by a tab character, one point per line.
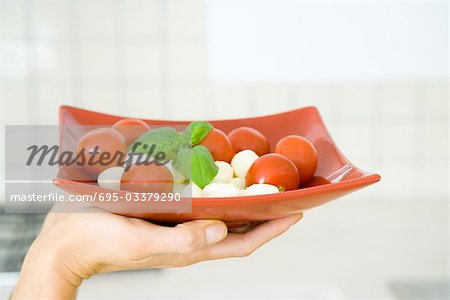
335	176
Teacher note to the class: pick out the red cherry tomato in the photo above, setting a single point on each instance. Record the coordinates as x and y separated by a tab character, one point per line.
218	144
109	141
301	152
131	129
244	138
274	169
147	179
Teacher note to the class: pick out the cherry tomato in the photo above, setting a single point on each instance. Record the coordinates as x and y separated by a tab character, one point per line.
147	179
131	129
109	142
274	169
218	144
301	152
244	138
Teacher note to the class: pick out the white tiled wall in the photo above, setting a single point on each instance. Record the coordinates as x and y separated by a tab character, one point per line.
149	59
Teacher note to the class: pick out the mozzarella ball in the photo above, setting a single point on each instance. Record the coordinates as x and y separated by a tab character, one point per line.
110	178
225	173
242	162
177	176
192	191
220	190
238	182
178	188
260	189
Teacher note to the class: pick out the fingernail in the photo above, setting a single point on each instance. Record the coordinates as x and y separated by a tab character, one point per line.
215	233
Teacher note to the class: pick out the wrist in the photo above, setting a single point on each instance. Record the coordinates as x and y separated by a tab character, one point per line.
48	272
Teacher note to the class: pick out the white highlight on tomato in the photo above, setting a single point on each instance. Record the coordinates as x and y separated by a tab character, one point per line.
238	182
221	190
110	178
260	189
225	173
242	162
192	191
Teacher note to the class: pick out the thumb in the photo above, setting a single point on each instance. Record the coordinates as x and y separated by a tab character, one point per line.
195	235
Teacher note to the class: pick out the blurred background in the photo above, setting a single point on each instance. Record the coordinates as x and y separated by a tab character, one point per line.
377	71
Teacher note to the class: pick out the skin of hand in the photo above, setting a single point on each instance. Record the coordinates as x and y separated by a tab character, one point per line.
73	247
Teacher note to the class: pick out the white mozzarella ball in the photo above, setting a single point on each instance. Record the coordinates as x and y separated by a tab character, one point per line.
110	178
260	189
196	191
192	191
220	190
242	162
177	176
225	173
178	188
238	182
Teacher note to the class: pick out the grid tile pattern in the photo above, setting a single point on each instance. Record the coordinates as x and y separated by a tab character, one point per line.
149	59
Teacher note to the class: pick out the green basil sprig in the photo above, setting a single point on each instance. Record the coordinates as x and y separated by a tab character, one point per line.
196	131
197	164
193	161
165	139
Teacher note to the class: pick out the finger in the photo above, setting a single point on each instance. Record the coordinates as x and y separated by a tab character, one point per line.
240	245
196	235
183	238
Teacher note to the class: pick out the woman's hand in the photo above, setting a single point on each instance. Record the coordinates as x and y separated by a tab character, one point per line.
74	246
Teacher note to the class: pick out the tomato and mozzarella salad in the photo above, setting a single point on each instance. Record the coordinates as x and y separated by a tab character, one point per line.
199	161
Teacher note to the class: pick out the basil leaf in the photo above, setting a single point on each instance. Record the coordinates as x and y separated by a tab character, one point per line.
183	162
196	131
197	164
164	139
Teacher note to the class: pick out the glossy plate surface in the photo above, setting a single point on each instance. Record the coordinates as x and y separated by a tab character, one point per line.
335	176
